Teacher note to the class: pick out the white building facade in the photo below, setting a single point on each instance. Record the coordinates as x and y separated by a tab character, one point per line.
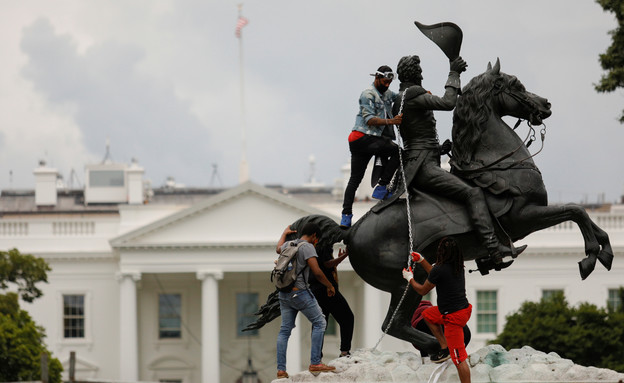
160	290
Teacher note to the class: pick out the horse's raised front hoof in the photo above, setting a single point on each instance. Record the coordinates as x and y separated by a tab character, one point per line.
586	266
606	258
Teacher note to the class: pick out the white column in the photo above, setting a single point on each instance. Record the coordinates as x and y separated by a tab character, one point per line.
293	352
374	315
210	325
128	332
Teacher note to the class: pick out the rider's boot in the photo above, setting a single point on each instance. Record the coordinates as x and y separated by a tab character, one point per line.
496	250
482	221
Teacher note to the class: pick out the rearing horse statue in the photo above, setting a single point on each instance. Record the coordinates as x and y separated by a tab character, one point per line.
488	153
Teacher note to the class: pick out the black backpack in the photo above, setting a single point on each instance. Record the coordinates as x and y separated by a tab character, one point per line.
284	273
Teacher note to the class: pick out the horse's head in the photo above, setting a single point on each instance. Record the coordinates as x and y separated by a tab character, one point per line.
513	98
492	93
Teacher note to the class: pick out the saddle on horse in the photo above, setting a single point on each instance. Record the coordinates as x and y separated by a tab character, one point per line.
445	216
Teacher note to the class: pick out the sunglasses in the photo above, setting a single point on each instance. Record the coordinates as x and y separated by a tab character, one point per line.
388	75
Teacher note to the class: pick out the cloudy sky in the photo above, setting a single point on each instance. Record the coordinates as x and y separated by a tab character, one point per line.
161	81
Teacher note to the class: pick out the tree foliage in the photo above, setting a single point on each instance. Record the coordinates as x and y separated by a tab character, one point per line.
21	340
21	345
586	334
23	270
613	59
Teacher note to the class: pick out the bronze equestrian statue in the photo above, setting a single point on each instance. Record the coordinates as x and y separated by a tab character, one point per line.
378	243
487	154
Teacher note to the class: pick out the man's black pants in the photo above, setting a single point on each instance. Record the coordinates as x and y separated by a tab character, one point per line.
362	150
338	307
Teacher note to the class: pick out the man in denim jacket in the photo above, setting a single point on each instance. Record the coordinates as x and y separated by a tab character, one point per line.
370	137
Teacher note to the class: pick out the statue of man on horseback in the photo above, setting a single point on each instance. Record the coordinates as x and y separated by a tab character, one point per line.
495	189
420	140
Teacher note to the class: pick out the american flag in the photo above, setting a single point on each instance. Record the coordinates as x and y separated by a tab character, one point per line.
240	24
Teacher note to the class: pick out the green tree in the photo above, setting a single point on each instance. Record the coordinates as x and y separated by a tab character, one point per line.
613	59
23	270
21	345
586	334
21	340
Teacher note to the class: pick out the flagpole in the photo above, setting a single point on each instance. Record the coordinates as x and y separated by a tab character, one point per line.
243	174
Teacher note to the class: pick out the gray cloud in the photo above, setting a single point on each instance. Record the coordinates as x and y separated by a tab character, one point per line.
142	117
148	65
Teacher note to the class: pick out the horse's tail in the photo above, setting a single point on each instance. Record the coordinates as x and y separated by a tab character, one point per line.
331	232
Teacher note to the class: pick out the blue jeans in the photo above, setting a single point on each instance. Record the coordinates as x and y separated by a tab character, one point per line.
290	304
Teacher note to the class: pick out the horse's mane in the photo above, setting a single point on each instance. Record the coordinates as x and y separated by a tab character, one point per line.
471	113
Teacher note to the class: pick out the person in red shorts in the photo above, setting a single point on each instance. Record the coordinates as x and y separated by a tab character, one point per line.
419	323
453	310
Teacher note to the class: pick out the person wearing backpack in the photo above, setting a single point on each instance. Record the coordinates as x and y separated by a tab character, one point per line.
300	299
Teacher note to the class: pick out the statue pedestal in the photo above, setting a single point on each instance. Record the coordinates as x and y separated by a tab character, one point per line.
489	364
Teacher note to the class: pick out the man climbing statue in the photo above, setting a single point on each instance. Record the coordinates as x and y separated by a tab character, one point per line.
367	139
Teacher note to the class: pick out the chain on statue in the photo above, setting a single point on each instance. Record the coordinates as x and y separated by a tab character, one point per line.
409	224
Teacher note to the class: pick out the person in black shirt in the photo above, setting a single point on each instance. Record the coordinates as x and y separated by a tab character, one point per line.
335	305
453	309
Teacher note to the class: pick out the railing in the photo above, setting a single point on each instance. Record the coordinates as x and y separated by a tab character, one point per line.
13	229
73	228
609	221
606	221
56	228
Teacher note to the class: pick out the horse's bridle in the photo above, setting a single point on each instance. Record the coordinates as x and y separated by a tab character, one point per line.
523	99
534	113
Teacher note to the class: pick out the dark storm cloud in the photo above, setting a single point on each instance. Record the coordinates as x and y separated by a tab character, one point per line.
112	99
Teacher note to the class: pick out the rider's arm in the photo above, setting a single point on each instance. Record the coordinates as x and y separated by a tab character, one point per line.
431	102
452	87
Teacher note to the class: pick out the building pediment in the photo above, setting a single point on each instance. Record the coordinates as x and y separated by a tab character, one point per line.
248	214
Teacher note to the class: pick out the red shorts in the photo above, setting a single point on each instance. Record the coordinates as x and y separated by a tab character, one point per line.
453	329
